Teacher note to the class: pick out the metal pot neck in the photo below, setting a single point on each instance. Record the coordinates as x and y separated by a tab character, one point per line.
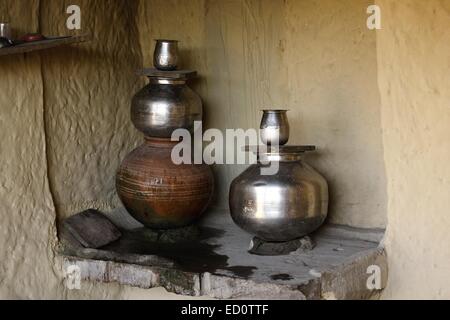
284	157
160	142
284	153
283	111
155	80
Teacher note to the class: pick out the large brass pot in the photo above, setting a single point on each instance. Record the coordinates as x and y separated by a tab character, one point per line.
280	207
159	193
165	105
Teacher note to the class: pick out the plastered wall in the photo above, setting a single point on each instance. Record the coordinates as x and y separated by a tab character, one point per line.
27	230
64	118
64	112
414	69
64	128
87	93
315	58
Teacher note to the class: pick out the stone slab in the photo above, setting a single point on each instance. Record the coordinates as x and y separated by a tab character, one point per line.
218	264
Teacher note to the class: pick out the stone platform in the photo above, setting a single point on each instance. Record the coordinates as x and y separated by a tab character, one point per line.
217	263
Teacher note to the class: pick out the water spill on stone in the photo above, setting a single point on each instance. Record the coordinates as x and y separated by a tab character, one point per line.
281	276
189	249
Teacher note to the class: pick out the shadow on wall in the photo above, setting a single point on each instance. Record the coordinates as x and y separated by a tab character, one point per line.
288	54
87	94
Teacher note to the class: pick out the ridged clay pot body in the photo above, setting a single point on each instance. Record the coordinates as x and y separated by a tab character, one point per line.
159	193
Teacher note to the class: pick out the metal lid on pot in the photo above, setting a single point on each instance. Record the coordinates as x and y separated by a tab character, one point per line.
279	153
168	75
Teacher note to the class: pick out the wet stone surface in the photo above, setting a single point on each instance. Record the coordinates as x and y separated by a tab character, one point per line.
186	247
212	259
281	276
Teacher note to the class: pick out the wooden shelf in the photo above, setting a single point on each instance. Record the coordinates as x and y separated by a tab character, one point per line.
48	43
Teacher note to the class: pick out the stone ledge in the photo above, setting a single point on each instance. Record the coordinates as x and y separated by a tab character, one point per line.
219	266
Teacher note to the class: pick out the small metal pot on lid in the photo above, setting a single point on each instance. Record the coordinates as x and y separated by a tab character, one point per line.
5	30
165	56
274	127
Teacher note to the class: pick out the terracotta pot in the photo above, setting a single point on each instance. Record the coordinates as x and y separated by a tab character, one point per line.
159	193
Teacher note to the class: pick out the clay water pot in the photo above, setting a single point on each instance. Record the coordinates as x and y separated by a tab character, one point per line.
159	193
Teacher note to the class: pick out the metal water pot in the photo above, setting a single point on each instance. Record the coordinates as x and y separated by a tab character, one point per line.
164	105
281	207
165	56
274	127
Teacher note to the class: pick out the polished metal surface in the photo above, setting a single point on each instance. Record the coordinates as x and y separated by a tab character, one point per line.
280	207
165	56
274	128
165	105
283	149
5	42
278	153
5	30
171	74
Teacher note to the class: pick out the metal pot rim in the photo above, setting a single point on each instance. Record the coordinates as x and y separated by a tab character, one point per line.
274	110
166	40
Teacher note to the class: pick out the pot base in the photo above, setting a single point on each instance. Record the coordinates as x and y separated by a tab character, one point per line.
267	248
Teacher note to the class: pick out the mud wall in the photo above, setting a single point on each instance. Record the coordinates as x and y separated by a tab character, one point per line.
315	58
64	127
414	68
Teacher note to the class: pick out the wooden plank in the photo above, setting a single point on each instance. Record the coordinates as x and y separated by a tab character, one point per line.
92	229
48	43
